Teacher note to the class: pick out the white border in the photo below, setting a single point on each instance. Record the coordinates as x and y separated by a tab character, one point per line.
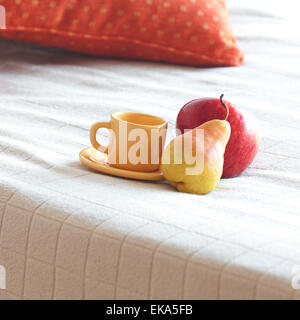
2	17
2	278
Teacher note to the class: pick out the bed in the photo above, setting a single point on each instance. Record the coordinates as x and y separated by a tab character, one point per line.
67	232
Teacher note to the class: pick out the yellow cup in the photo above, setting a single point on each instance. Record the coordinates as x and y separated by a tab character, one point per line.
136	140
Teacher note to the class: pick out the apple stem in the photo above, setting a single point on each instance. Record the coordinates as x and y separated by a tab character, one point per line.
225	106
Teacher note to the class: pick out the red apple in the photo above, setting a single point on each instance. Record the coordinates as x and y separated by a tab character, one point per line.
244	141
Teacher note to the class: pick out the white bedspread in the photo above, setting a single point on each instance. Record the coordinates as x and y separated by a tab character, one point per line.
69	233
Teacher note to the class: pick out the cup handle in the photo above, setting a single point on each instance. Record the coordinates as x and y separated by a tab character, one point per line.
93	135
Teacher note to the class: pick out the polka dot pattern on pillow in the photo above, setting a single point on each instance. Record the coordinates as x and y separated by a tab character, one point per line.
191	32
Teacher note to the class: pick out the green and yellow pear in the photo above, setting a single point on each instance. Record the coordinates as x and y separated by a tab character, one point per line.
193	162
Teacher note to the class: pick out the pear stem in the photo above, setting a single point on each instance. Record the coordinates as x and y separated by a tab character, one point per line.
225	106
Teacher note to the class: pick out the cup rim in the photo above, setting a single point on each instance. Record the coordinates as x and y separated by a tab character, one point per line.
163	121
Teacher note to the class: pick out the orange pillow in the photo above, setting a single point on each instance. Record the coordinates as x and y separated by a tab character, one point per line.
192	32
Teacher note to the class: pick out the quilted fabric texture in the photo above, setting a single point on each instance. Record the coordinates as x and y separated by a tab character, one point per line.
189	32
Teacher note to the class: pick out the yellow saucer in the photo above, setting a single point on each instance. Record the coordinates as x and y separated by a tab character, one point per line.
98	161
